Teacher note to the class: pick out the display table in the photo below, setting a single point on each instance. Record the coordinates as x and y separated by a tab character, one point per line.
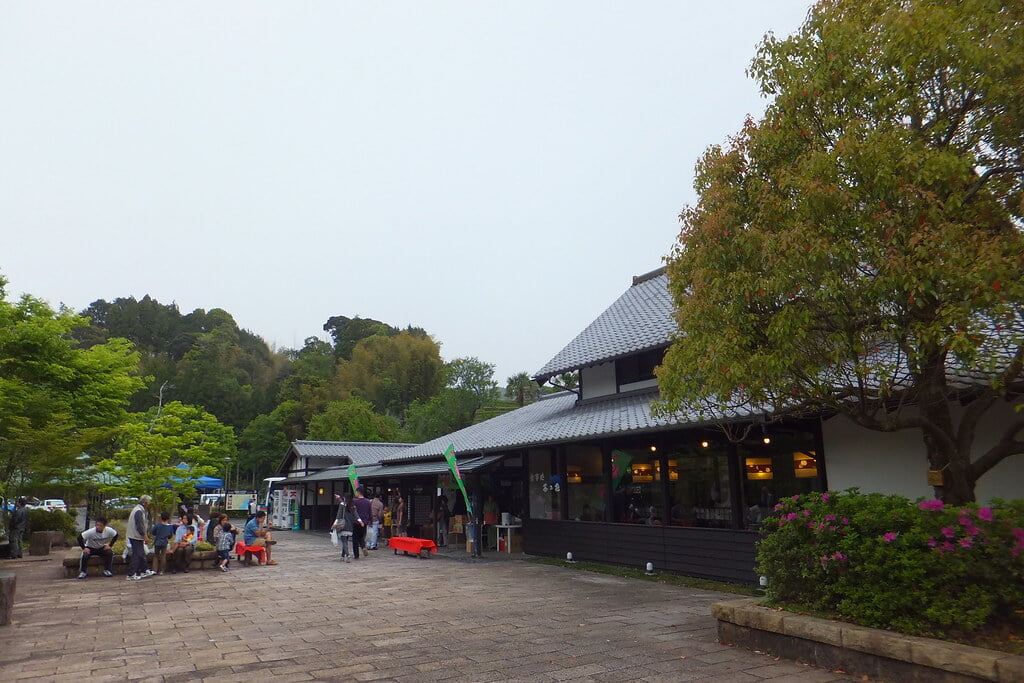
508	529
408	544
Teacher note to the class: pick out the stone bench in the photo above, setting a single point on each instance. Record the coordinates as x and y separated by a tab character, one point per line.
201	559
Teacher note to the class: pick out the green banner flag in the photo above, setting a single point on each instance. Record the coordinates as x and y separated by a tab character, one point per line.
449	456
620	467
353	479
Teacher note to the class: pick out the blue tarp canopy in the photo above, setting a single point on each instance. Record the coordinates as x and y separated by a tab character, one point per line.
203	483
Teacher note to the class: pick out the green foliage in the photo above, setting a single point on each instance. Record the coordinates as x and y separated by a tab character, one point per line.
347	332
203	546
883	562
448	411
56	399
352	420
866	231
52	520
521	388
391	372
154	444
264	440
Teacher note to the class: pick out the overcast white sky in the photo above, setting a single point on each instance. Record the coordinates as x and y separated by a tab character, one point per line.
493	172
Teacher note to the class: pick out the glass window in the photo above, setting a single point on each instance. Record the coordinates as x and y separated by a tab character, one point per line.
636	486
584	475
699	487
786	465
545	485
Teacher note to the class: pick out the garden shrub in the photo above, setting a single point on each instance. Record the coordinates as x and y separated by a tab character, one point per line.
52	520
203	545
882	561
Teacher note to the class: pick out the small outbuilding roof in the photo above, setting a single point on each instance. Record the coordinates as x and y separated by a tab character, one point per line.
345	452
639	320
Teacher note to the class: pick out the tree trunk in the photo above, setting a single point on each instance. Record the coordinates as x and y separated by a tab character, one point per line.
940	435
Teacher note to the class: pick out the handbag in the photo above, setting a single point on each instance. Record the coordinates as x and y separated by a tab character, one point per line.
334	537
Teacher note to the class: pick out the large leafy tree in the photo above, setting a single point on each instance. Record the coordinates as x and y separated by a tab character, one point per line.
154	445
391	372
861	245
352	420
57	399
264	441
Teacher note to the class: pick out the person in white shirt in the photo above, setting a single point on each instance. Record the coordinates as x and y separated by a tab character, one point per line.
97	542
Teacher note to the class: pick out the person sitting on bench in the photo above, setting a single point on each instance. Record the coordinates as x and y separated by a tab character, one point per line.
97	542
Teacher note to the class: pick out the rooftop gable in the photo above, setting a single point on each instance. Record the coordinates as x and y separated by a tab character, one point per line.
639	320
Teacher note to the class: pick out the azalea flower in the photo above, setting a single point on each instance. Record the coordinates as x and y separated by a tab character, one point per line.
825	498
933	505
948	531
890	537
985	514
965	543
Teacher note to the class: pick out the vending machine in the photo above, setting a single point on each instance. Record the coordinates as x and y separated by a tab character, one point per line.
284	509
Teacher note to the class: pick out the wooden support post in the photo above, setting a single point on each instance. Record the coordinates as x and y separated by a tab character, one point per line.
7	581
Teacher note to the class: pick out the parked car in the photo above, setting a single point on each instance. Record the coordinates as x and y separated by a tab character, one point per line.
51	504
122	503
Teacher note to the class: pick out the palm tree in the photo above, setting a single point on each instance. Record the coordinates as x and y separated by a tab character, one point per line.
521	388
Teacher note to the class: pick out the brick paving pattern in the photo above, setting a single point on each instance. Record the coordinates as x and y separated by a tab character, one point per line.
386	617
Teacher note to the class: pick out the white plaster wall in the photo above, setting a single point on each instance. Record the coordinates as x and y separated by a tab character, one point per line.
598	380
896	462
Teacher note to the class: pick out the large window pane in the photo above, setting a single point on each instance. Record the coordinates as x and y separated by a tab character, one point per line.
785	466
545	485
636	486
699	486
585	479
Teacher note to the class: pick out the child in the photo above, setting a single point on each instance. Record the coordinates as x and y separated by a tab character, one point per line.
162	532
224	544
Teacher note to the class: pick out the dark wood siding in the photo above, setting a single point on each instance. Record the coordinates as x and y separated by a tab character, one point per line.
721	554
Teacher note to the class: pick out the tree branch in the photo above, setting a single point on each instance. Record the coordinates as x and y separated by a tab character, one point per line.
995	170
1008	445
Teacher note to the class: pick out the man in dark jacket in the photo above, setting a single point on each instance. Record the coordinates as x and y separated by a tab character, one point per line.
364	513
138	536
17	525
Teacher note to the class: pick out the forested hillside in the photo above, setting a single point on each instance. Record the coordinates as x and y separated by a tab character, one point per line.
371	382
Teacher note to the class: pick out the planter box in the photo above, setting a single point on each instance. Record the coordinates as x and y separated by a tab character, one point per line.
201	559
860	650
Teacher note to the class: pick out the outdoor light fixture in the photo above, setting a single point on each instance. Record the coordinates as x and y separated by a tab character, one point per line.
767	440
320	491
653	449
704	444
650	569
764	436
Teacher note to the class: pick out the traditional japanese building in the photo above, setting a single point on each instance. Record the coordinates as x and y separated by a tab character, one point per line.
594	472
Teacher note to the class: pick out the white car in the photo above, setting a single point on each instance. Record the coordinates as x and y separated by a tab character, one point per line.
54	504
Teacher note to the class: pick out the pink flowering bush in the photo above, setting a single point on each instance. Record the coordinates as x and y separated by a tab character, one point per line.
883	561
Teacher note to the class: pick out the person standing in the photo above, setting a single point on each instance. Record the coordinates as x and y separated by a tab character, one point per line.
364	512
138	538
253	506
225	542
443	517
345	524
97	542
401	523
162	533
16	527
376	517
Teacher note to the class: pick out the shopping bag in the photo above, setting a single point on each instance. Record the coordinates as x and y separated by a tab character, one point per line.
334	537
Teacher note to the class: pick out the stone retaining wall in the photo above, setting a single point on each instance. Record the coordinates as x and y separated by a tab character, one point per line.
860	650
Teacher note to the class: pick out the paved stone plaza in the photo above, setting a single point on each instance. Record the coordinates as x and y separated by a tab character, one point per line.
383	618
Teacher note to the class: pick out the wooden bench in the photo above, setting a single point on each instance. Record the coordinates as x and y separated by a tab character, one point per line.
407	544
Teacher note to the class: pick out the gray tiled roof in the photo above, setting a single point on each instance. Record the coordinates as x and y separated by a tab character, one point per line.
554	419
640	319
359	452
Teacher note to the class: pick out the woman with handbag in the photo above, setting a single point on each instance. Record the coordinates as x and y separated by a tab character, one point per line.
344	524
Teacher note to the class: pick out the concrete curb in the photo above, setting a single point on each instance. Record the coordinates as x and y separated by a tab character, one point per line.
858	649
